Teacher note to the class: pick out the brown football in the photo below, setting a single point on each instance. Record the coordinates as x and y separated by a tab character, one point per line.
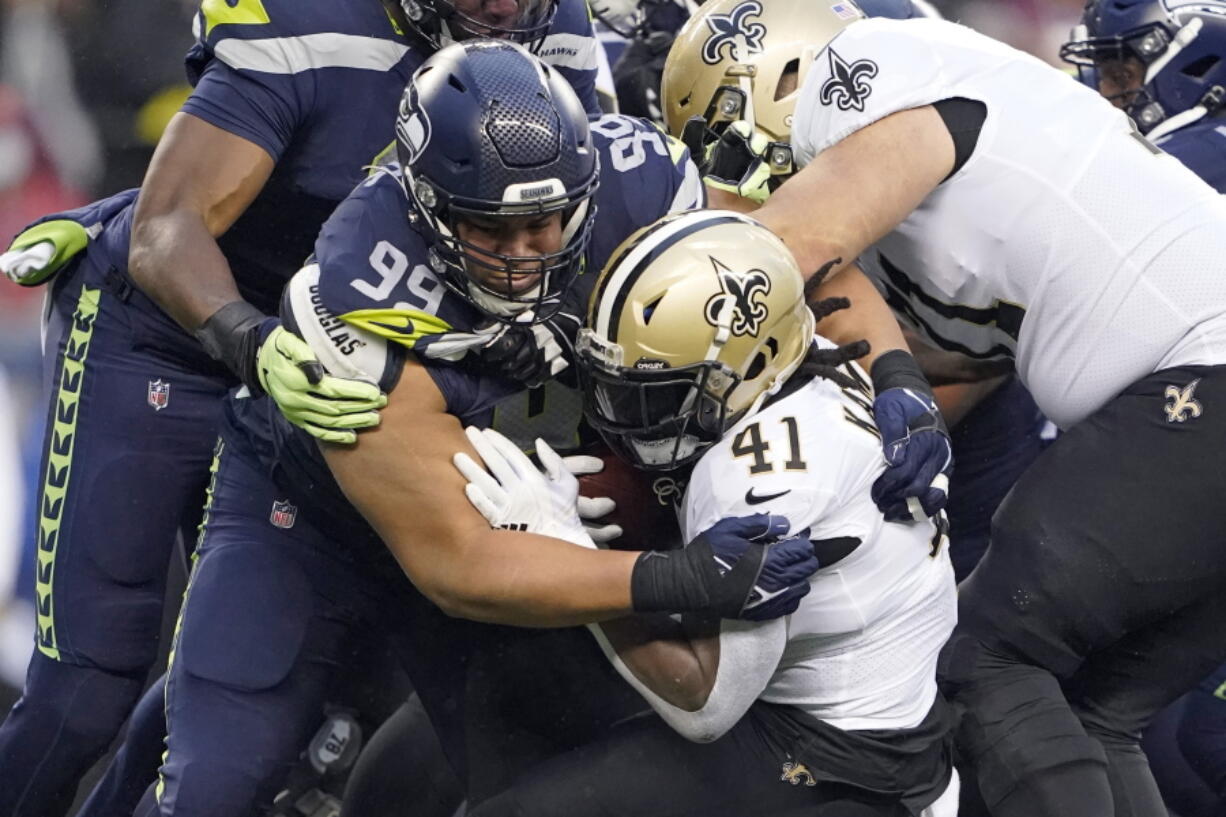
646	503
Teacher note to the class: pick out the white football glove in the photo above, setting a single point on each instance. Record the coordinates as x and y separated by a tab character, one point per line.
28	266
593	508
512	494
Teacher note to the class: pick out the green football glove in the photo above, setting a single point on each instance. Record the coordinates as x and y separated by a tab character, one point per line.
738	163
326	407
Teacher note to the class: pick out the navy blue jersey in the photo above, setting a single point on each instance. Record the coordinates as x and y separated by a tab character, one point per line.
370	298
316	85
1201	146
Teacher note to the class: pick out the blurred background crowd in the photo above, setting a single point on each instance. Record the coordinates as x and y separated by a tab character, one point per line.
86	87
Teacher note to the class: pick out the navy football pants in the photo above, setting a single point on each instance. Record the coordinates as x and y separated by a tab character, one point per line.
276	612
133	410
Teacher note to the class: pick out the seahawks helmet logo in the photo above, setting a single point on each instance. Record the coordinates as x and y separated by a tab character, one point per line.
412	127
736	32
1174	7
848	84
740	291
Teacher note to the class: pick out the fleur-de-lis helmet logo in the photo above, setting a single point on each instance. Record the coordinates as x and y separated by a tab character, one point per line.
848	84
741	289
735	31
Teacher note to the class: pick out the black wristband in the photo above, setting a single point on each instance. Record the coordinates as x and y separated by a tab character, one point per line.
898	369
688	580
231	335
657	584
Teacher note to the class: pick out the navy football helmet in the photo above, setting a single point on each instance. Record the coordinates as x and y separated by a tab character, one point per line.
487	130
442	22
1181	45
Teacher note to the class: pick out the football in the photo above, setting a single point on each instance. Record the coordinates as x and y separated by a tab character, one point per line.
646	503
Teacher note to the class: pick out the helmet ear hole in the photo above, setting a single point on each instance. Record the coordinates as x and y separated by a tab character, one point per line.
788	80
650	309
756	366
1203	66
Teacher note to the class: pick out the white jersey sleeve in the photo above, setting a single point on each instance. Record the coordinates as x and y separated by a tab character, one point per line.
748	654
866	73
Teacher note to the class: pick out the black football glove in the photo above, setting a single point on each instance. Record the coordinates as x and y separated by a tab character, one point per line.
531	354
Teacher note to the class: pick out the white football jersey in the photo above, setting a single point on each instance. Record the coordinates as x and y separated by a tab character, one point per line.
1066	241
862	648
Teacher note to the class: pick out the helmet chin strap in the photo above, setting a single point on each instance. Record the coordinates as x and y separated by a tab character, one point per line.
1174	123
576	219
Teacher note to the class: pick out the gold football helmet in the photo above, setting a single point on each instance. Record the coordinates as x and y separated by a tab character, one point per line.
746	59
692	322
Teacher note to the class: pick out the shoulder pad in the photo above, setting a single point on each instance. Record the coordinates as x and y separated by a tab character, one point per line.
343	349
285	37
644	175
373	272
803	456
870	70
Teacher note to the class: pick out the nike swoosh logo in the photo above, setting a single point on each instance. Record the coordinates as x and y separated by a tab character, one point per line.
400	330
753	499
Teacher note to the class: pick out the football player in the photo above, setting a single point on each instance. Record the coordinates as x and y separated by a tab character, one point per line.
1163	63
1010	214
498	175
699	356
291	100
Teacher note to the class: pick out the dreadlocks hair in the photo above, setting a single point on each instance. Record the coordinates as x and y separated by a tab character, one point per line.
818	277
825	363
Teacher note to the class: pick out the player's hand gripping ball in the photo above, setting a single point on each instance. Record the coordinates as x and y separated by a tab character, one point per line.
623	508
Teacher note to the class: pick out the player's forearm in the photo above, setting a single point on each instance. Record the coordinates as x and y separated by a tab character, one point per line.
200	180
178	264
718	199
677	665
869	317
523	580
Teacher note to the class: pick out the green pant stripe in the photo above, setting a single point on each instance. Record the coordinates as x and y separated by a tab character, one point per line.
174	641
59	463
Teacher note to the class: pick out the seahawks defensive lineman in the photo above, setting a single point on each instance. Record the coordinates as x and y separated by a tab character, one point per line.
291	100
1010	214
700	355
1162	62
498	175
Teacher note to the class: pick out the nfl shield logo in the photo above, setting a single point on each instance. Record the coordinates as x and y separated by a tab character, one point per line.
159	394
283	514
